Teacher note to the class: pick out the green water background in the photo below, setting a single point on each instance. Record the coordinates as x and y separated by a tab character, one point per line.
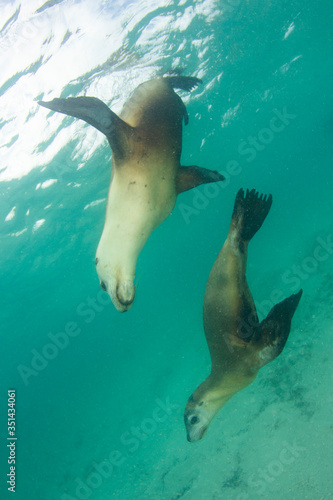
257	59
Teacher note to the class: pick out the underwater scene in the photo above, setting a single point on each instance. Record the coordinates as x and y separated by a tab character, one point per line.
166	322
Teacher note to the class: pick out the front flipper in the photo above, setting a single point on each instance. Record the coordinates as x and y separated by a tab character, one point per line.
97	114
192	176
272	333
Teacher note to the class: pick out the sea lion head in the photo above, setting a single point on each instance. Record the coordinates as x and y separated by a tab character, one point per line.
201	408
196	423
118	285
197	417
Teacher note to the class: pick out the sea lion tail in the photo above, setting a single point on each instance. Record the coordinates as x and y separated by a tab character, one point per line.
250	211
272	333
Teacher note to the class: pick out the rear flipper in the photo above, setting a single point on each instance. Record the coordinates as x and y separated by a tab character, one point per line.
272	333
97	114
249	213
178	81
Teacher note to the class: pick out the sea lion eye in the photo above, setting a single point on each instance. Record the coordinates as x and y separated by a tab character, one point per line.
103	286
96	261
194	420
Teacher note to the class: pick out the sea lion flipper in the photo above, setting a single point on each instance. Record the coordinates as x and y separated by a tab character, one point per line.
178	81
93	111
192	176
182	82
272	333
250	211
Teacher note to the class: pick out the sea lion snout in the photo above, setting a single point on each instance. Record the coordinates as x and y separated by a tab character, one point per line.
193	436
122	294
125	293
121	291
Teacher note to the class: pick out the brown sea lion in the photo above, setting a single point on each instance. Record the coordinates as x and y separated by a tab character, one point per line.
146	174
239	345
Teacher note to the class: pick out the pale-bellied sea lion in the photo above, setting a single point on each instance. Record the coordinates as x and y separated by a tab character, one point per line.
239	345
146	174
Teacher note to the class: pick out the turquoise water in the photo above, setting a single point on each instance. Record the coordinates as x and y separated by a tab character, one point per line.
103	416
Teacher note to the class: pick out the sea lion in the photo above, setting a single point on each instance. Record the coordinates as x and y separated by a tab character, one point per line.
146	174
239	345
